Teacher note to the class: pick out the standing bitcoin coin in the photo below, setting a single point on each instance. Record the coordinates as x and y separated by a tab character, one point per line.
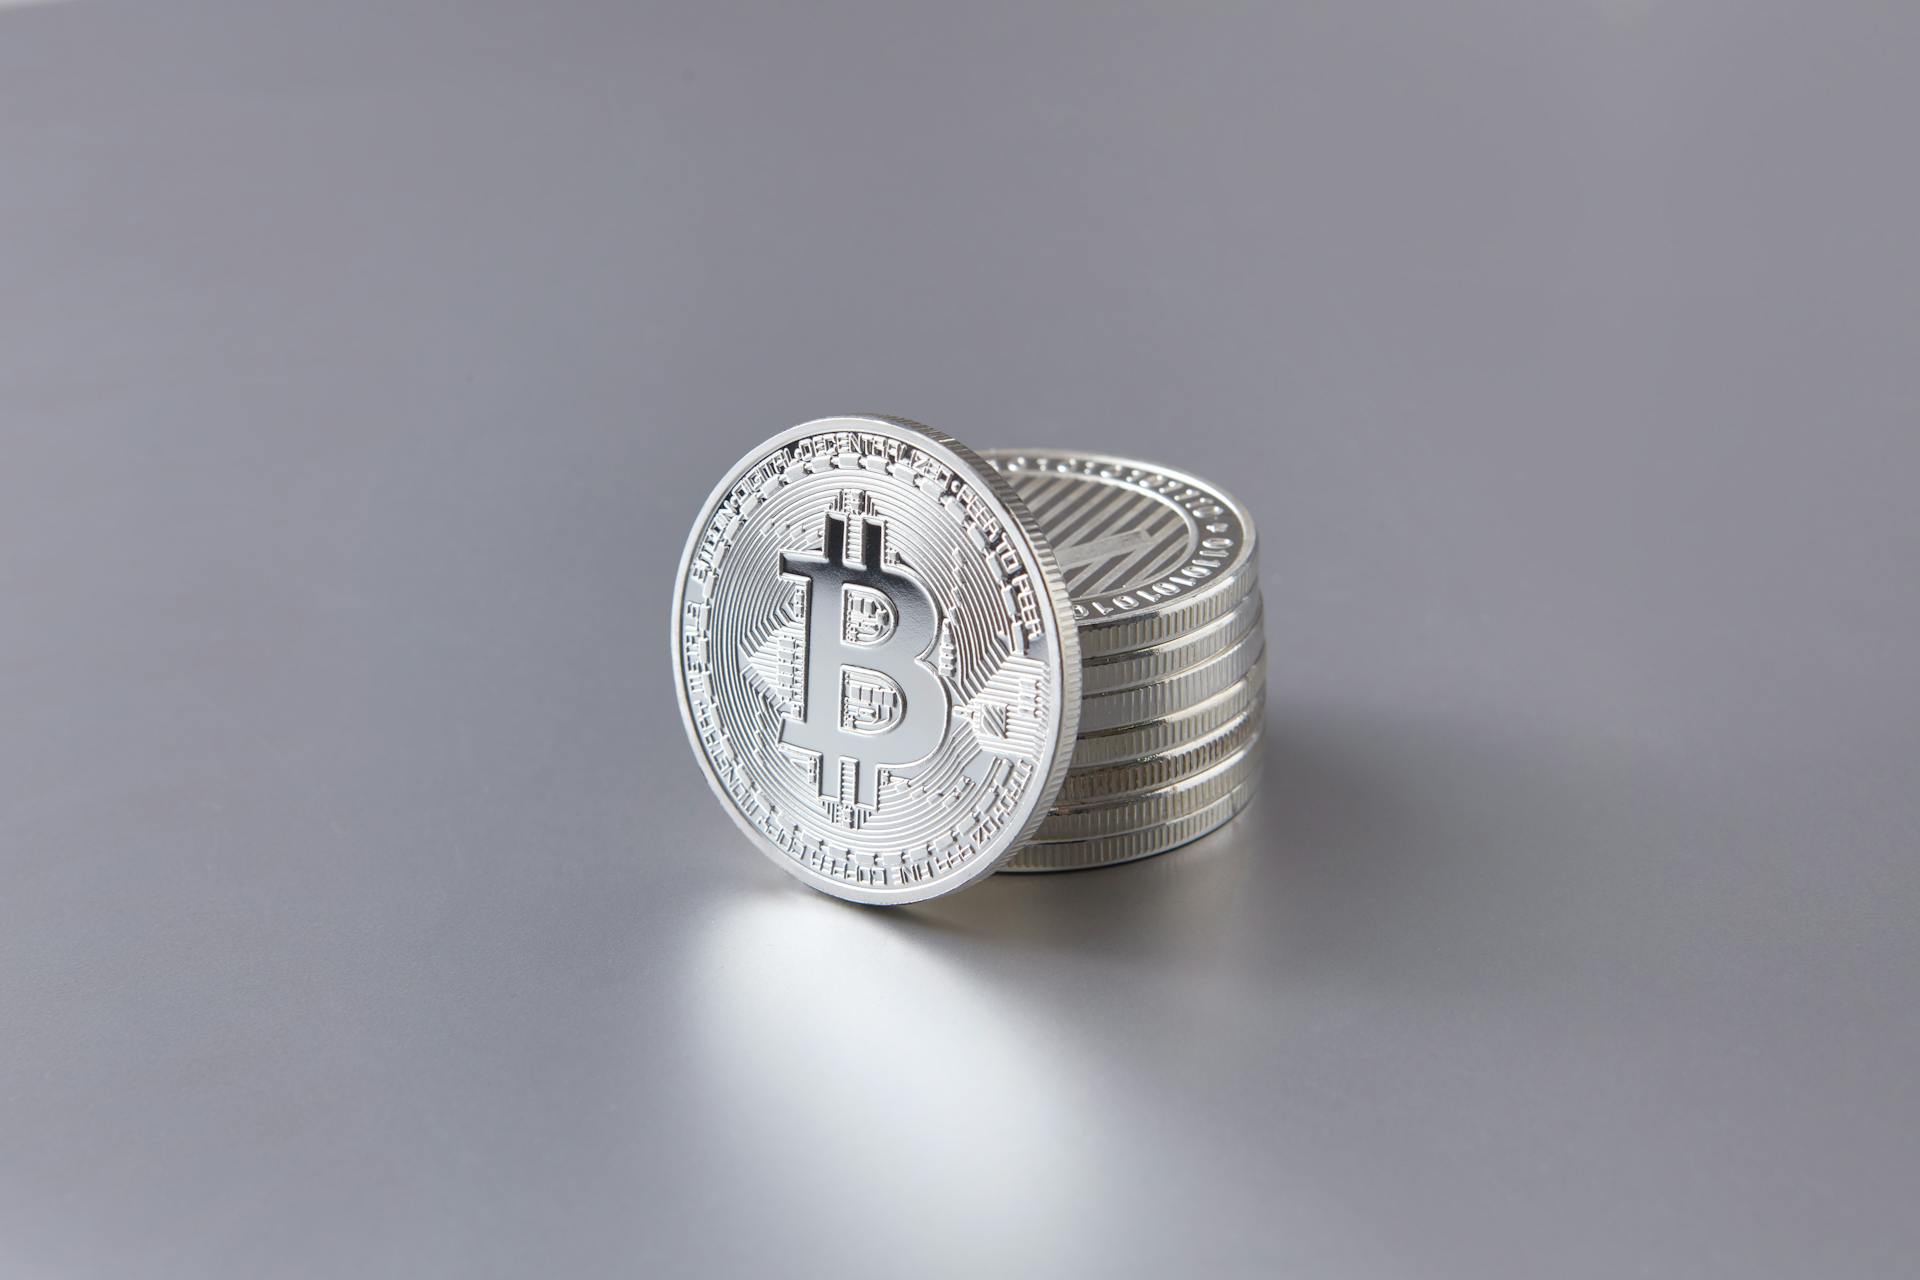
875	659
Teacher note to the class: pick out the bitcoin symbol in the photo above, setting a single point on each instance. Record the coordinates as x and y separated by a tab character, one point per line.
871	703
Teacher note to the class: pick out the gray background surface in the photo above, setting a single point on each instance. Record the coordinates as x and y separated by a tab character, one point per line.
363	912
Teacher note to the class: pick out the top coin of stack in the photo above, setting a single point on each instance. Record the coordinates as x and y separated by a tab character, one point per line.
1161	571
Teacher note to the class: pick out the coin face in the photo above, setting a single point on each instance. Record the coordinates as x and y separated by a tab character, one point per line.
1147	553
875	659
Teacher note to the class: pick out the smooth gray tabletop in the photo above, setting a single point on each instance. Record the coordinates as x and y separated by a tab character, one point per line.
362	367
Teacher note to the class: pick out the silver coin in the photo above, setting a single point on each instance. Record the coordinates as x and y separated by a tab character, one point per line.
1079	855
1175	693
1152	808
1148	553
1114	781
875	659
1139	741
1146	666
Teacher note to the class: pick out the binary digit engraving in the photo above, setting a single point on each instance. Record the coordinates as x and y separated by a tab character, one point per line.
867	626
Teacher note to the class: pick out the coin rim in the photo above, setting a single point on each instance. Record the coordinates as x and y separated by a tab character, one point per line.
1170	695
1163	661
1145	810
1063	657
1154	737
1129	778
1046	857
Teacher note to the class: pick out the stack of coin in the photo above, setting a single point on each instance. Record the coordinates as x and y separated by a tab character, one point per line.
1160	568
903	666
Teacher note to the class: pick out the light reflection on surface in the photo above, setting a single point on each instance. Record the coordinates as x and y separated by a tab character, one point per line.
917	1064
855	1066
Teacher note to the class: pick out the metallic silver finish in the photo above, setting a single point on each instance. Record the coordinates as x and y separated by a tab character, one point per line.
875	659
1175	693
1078	855
1163	576
1148	553
1145	666
1138	742
1109	782
1152	808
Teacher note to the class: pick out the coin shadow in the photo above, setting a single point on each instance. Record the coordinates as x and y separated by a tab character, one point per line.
1314	786
1402	847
